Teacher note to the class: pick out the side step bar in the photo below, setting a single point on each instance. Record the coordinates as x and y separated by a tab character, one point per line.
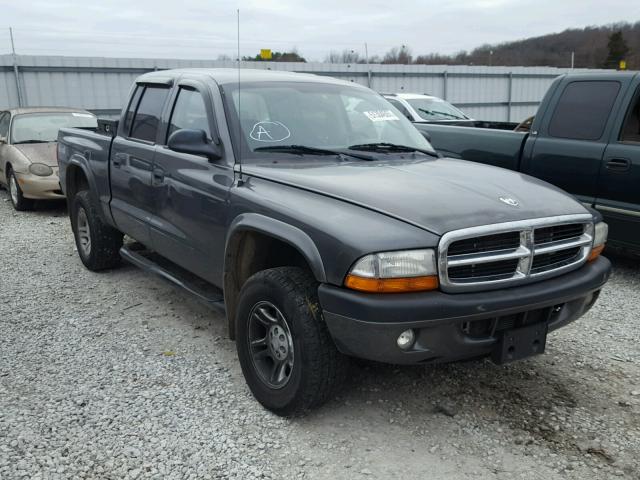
153	263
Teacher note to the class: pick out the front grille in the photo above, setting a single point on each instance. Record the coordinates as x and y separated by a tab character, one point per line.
511	253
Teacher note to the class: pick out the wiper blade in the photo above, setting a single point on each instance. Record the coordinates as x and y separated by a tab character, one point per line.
438	112
390	147
308	150
30	141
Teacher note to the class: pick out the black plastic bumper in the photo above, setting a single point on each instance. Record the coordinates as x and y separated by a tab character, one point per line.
449	327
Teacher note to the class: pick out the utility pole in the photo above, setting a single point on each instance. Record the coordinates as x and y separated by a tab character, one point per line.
15	68
573	57
366	59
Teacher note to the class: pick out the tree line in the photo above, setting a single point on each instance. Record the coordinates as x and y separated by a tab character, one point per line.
592	47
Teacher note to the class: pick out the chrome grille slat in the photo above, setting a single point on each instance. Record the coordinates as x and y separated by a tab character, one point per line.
548	247
487	257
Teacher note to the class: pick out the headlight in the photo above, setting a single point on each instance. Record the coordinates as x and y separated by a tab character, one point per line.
394	272
40	169
600	233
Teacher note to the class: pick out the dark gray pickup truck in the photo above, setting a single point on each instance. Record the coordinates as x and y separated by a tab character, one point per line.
584	139
327	227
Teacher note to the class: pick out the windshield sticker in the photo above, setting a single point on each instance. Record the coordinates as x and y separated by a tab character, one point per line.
84	115
269	132
381	115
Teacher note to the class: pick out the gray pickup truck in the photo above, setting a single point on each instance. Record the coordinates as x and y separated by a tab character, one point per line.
327	227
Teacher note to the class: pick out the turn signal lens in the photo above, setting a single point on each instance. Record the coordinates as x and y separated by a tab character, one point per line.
595	253
391	285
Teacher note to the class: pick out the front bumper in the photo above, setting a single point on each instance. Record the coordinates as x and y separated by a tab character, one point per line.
40	188
451	327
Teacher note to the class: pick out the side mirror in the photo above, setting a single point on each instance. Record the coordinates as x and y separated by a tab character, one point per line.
194	142
426	135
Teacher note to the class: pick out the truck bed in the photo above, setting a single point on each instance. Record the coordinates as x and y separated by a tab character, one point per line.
87	149
500	148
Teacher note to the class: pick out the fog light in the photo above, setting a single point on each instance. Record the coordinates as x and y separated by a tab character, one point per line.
406	339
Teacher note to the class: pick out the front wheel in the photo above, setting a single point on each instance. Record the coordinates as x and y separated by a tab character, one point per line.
98	244
18	201
287	355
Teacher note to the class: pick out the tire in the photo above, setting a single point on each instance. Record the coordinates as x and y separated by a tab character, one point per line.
98	244
317	368
18	201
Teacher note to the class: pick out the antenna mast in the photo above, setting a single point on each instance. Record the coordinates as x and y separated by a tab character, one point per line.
239	109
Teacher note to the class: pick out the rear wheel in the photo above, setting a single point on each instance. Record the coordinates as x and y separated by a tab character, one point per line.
286	353
98	244
18	201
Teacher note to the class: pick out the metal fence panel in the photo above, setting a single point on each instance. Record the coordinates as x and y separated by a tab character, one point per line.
102	84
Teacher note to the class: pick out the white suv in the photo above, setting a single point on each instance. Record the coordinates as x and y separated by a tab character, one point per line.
426	108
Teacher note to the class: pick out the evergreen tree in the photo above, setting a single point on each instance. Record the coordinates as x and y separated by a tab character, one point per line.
618	50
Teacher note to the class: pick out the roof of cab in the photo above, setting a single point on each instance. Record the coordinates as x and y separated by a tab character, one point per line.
23	110
410	95
230	76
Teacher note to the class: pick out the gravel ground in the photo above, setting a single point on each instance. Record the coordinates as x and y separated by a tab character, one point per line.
121	375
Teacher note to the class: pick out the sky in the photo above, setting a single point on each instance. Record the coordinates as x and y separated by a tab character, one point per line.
205	29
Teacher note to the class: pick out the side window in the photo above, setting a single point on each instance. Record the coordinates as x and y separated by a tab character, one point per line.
631	128
583	110
400	107
131	109
4	125
190	112
147	117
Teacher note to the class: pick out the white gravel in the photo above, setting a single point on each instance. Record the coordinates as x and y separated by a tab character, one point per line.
121	375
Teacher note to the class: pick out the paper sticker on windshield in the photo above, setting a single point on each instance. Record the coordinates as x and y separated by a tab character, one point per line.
269	132
381	115
85	115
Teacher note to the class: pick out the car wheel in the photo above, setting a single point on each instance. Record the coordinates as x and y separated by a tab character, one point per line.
15	193
287	355
98	244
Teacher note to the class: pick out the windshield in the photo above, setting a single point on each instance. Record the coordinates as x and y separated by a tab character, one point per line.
318	115
43	127
435	109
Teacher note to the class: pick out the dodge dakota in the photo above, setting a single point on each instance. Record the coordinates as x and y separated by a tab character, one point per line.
585	139
327	227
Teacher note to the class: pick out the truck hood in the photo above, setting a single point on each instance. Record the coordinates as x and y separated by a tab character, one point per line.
438	195
39	152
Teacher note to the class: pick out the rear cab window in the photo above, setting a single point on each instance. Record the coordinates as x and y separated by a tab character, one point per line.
583	109
147	116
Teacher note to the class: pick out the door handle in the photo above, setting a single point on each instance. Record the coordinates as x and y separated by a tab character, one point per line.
618	164
119	158
158	174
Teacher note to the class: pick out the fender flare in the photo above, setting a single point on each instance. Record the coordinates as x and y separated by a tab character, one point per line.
282	231
255	222
81	162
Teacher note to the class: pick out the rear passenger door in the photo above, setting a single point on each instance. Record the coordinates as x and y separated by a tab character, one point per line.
568	148
131	163
619	191
190	191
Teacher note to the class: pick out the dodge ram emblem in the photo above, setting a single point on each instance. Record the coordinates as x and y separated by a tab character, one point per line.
509	201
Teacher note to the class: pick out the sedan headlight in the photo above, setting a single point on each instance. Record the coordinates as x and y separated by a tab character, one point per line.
600	234
40	169
394	272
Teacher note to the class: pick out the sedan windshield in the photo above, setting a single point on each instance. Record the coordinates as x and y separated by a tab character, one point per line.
296	117
435	109
43	127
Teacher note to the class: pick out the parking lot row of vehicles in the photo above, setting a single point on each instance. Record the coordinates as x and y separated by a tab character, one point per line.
327	226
